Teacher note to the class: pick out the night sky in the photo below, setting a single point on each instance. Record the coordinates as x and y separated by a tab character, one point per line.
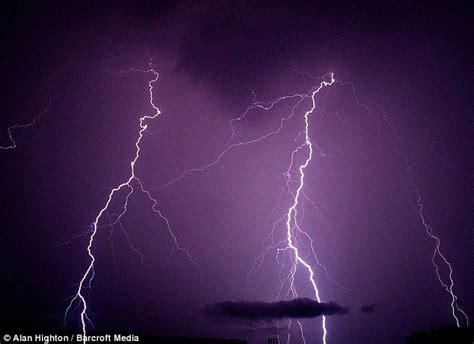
390	170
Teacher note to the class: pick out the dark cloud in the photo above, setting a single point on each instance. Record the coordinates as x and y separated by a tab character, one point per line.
255	311
368	309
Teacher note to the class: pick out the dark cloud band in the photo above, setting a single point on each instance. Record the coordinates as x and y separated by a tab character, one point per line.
297	308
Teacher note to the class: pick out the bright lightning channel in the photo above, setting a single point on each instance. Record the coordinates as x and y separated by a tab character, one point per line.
291	216
89	274
292	226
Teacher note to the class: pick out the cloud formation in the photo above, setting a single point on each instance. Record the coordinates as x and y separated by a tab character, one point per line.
267	311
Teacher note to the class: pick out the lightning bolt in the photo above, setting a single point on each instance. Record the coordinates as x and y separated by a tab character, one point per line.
418	208
448	286
131	184
293	246
291	216
294	232
293	229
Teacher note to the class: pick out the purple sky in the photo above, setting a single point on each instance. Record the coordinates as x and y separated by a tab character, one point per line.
408	64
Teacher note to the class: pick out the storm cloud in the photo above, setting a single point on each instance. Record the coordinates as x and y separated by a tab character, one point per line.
267	311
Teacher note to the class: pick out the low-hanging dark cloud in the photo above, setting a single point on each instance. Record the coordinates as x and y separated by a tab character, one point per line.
267	311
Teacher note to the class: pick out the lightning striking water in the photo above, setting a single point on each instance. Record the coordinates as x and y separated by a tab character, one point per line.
131	184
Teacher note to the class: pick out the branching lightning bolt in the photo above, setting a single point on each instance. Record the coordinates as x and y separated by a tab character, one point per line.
291	216
131	184
293	246
437	253
418	208
293	229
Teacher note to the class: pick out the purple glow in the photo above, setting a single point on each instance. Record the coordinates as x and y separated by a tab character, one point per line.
306	166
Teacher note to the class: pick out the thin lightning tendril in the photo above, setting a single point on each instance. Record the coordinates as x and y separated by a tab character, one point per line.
437	253
35	119
263	106
418	209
